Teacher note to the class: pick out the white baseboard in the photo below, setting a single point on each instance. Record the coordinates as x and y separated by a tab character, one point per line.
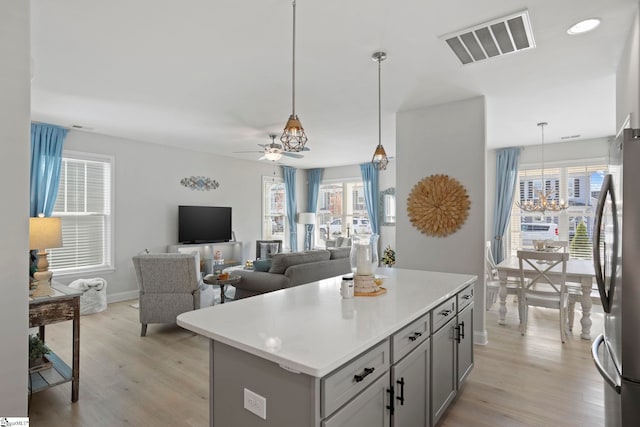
122	296
480	337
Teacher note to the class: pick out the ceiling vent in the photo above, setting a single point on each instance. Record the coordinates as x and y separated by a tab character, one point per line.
491	39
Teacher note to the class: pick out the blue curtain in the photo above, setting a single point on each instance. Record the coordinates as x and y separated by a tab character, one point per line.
290	187
314	177
46	160
506	178
370	181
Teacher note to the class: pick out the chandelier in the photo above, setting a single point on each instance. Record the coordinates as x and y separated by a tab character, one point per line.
380	159
544	202
293	138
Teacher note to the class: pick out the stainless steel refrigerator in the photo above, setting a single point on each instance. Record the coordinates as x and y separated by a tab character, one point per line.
616	256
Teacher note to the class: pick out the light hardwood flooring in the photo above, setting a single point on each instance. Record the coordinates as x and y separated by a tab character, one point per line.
162	379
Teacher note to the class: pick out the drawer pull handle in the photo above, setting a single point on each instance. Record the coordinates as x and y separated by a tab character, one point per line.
360	377
462	330
401	397
415	336
445	313
467	297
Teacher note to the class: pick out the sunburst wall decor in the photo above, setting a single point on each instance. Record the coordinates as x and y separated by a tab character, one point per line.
438	205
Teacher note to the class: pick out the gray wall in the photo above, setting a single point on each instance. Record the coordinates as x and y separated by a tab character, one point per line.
444	139
15	108
628	78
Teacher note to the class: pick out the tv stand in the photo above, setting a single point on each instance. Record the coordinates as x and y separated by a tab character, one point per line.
231	252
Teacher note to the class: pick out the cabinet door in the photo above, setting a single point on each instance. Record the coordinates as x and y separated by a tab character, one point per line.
410	379
465	347
367	409
443	370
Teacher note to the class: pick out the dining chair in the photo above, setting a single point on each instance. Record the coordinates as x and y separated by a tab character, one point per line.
544	289
493	281
573	289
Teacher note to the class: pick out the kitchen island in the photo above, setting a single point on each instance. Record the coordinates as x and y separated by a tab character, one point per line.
304	356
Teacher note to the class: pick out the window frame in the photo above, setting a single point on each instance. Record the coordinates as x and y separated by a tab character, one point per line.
347	203
266	180
109	265
564	179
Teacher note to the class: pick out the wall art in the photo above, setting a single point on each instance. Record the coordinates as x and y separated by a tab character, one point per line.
438	205
200	183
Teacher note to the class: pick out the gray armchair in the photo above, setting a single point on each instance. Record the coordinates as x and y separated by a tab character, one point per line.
170	284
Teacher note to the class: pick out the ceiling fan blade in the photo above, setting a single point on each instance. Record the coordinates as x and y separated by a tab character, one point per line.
253	151
262	158
293	155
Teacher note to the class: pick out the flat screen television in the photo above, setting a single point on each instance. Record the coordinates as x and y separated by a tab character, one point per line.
204	224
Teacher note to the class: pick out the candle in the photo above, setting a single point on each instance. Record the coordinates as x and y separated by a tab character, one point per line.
363	260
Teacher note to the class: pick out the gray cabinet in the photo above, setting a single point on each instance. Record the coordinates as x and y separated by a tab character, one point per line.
465	343
443	369
343	384
407	380
410	380
367	409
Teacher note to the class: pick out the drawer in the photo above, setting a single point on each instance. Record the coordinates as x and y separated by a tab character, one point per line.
465	297
52	311
443	313
410	337
347	381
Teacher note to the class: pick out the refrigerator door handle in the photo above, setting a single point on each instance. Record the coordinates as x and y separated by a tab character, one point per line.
605	297
596	359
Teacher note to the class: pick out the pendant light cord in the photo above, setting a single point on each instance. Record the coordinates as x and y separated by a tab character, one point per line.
544	187
379	104
293	67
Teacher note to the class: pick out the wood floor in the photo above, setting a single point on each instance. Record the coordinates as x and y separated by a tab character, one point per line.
162	379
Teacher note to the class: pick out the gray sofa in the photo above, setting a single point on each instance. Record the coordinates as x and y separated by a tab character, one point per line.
293	269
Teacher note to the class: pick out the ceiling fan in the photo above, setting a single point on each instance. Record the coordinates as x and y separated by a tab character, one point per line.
274	151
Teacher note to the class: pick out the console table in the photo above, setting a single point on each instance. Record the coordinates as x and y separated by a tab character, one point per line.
63	305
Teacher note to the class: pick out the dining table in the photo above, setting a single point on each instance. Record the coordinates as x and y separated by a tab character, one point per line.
579	271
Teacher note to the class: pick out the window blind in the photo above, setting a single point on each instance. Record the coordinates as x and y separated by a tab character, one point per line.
580	186
84	206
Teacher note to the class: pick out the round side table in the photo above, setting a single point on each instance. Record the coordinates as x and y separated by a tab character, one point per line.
211	279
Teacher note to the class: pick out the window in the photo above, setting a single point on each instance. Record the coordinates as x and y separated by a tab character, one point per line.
580	186
274	209
84	206
341	210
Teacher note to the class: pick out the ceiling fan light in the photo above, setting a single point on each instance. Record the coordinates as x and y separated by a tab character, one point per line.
380	159
273	156
293	138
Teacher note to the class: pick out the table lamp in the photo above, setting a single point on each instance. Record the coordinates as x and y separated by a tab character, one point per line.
307	218
44	233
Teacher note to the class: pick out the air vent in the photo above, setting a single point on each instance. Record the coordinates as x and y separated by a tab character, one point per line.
491	39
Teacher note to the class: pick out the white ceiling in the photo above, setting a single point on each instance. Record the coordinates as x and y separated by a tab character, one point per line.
215	76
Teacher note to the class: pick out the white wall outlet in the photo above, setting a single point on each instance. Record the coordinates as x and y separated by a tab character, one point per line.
255	403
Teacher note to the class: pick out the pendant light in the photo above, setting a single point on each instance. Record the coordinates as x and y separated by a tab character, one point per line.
544	203
380	159
293	138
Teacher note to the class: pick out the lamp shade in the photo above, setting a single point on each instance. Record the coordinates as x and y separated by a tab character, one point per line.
45	233
306	218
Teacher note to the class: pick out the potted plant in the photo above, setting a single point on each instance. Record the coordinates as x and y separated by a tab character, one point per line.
37	354
389	257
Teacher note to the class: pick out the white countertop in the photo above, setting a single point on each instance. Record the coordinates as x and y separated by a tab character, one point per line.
312	329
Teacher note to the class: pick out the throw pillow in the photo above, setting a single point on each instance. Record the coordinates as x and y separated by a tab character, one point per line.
262	264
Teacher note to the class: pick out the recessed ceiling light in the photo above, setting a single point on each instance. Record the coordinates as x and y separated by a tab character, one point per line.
584	26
